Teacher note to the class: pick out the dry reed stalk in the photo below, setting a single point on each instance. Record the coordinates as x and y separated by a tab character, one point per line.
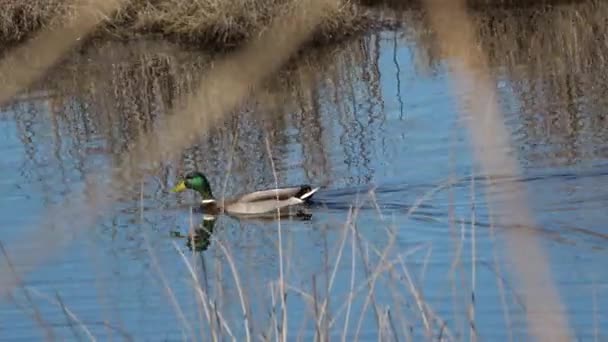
491	143
323	312
374	275
351	228
204	299
156	266
473	324
282	292
240	290
69	313
37	315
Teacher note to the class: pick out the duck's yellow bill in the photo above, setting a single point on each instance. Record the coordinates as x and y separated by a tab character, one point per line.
181	186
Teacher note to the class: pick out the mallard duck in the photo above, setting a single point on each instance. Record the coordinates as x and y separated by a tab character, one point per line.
255	203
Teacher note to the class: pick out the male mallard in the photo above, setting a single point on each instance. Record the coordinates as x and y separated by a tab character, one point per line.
255	203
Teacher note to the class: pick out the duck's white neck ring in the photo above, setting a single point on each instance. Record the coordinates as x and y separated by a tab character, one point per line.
208	201
207	217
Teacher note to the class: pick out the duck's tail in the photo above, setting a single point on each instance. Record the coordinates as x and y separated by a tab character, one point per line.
306	192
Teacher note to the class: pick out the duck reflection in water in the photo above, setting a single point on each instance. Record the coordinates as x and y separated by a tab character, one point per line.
199	239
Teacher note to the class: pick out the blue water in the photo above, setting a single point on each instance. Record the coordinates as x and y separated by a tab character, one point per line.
375	121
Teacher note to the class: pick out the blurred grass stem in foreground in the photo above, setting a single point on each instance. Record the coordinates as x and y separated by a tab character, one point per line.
491	144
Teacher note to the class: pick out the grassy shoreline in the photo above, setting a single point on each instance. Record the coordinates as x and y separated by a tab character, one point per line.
211	24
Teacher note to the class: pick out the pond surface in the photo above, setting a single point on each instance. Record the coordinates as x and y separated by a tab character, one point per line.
400	240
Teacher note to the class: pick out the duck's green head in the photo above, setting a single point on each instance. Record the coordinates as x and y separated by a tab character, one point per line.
195	181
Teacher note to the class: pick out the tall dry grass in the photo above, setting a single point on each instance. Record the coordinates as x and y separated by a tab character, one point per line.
20	18
212	23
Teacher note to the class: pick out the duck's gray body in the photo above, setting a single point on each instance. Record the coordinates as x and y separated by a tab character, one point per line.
262	202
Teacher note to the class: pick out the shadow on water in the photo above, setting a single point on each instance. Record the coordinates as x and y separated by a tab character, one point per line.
372	122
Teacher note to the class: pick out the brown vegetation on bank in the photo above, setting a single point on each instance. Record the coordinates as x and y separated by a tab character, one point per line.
212	23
